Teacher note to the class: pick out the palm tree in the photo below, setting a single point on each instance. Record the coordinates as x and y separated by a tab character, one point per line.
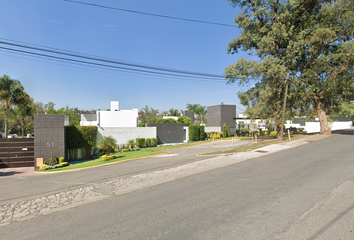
11	93
131	144
194	108
202	110
107	143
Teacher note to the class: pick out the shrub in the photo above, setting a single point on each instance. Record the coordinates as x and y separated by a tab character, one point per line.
116	150
225	131
232	135
201	132
154	142
194	133
125	150
108	157
141	124
64	164
131	143
48	167
184	120
273	133
57	165
140	142
61	160
99	154
107	143
52	160
148	142
41	168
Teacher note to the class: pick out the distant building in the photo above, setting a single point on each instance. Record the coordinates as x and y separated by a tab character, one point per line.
220	114
113	118
189	114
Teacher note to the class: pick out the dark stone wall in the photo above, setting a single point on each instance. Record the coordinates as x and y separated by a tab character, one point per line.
189	114
220	114
170	132
49	135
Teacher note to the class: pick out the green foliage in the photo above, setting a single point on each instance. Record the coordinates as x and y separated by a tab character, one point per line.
63	164
273	133
131	143
196	132
61	159
225	133
245	132
107	143
148	113
310	40
202	133
173	112
142	124
108	157
148	142
198	110
53	160
140	142
99	153
11	93
184	120
81	137
154	142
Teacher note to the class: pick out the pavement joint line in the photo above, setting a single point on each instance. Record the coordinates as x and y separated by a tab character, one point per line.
24	210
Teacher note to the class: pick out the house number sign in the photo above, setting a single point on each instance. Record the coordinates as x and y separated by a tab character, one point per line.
50	144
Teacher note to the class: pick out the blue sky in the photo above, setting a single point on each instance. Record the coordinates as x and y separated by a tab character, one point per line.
123	36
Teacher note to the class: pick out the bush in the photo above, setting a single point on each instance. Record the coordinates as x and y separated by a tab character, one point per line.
57	165
148	142
184	120
273	133
232	135
141	124
52	160
154	142
116	150
225	131
64	164
202	133
140	142
48	167
131	143
61	160
125	150
108	157
99	154
41	168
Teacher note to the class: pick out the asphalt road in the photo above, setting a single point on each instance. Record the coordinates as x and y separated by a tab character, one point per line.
15	189
302	193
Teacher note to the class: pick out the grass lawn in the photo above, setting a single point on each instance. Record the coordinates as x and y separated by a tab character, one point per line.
141	153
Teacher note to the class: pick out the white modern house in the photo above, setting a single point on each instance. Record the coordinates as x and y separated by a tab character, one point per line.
120	124
242	121
310	126
113	118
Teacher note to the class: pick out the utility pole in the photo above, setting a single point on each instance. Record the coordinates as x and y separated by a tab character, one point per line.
285	96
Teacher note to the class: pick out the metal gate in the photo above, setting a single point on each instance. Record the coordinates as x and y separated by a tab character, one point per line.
16	152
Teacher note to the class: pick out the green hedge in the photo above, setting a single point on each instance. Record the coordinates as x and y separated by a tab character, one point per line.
196	132
81	136
148	142
154	142
140	142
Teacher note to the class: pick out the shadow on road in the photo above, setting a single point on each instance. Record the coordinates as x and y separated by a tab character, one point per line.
344	132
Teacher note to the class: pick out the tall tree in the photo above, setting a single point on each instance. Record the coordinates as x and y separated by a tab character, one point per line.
311	40
174	112
194	108
148	113
23	116
11	93
202	111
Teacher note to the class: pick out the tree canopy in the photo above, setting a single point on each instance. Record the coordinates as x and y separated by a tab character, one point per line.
309	40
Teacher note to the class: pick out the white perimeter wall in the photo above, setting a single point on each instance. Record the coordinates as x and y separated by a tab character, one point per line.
212	129
313	127
122	135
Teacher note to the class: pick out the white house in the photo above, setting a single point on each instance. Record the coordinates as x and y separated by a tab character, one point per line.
112	118
339	122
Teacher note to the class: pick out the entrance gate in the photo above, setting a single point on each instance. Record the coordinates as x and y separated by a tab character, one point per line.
16	152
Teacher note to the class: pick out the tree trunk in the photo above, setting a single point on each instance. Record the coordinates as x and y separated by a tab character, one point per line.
321	113
6	121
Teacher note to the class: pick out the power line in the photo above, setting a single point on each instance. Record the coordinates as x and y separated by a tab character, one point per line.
150	14
112	61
